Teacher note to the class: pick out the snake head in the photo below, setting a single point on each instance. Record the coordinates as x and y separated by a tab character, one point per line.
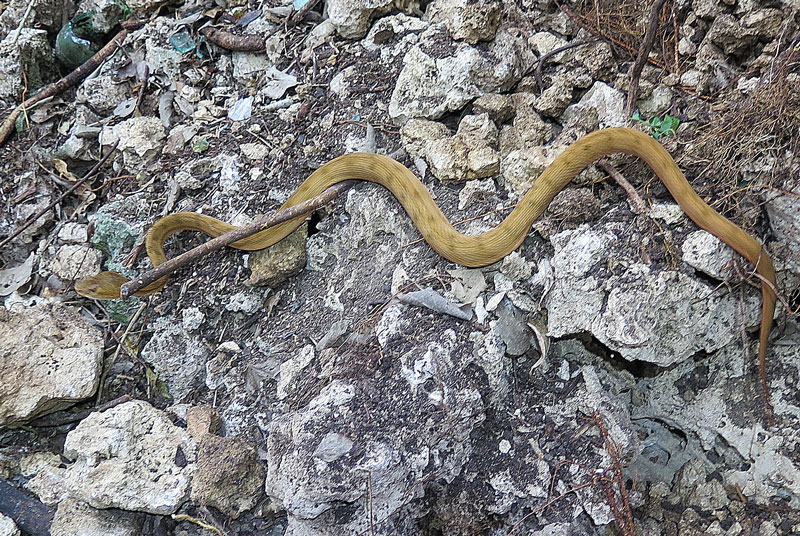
103	286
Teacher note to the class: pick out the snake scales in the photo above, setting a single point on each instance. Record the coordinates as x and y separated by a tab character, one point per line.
472	250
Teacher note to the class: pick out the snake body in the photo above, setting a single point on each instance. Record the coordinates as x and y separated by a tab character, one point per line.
473	251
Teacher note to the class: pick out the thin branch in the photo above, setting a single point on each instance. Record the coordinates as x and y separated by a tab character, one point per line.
641	59
234	236
92	172
56	419
71	79
537	73
639	206
229	41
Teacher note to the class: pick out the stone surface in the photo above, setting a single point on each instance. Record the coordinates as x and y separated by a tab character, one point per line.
75	261
351	17
178	358
128	457
32	54
50	358
277	263
467	20
432	84
417	134
707	253
140	140
8	527
75	518
229	475
672	327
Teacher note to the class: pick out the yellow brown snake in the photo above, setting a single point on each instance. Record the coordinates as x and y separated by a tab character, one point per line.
472	250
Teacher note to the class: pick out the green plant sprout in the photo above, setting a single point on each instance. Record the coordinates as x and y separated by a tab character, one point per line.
659	128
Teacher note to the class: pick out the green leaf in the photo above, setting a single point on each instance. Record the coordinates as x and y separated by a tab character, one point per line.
200	145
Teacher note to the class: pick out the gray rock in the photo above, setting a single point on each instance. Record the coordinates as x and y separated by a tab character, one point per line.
432	84
597	58
718	405
467	20
73	232
475	191
707	253
30	53
478	129
177	357
50	358
312	490
556	97
784	217
528	130
499	107
418	133
74	518
332	447
125	457
521	168
730	35
351	17
673	326
659	102
716	72
140	140
8	527
75	261
601	107
102	93
48	14
510	327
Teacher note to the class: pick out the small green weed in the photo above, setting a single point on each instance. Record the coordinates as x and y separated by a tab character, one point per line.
659	127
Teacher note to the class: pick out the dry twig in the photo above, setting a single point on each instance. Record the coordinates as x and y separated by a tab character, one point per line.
71	79
638	203
641	58
228	238
92	172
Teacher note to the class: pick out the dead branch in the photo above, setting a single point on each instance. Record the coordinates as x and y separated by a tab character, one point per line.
237	43
228	238
638	203
641	58
71	79
92	172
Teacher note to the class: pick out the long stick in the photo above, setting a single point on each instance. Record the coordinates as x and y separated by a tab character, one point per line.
71	79
641	59
228	238
92	173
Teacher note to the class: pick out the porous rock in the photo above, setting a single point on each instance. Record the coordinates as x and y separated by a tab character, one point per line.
417	134
351	17
500	108
229	476
671	327
177	357
30	54
50	358
279	262
467	20
129	457
140	140
76	517
707	253
436	80
316	478
75	261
